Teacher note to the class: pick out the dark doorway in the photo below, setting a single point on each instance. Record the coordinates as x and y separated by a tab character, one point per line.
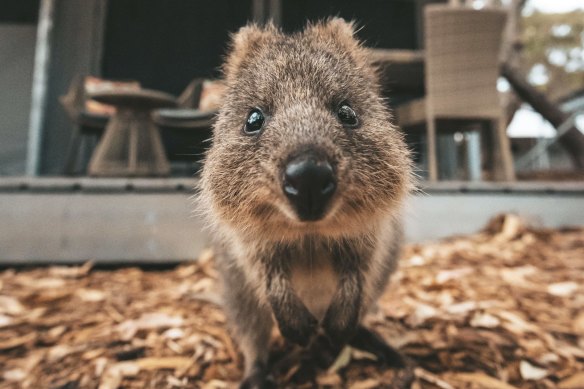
19	11
385	23
165	44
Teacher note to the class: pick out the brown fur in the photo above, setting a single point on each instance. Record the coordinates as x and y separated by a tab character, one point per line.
298	80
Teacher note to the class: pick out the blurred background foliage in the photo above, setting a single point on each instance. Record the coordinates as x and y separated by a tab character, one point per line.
553	51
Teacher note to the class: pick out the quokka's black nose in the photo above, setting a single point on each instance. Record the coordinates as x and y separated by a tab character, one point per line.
309	184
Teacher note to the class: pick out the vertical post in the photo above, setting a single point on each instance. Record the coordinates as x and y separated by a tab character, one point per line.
432	148
259	11
264	11
42	64
447	155
98	32
473	155
419	10
134	128
504	146
276	12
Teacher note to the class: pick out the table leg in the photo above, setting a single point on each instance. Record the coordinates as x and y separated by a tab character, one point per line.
133	147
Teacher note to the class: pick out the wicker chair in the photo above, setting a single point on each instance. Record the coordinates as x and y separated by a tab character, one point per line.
462	66
87	130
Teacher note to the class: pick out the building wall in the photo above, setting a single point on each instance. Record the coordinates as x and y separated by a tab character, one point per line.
17	47
75	49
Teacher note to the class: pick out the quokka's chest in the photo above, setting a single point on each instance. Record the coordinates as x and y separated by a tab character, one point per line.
315	281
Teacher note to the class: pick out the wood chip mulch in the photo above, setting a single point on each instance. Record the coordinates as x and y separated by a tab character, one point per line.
503	308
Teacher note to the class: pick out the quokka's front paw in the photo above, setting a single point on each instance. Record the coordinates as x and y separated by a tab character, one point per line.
340	322
258	379
296	323
256	383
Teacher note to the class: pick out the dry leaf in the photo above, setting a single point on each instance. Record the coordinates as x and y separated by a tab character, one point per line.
432	378
48	283
59	352
462	308
329	379
342	360
164	363
423	313
112	378
5	320
452	274
359	355
155	320
91	295
482	380
579	323
415	260
512	227
484	320
562	289
215	384
10	305
71	271
16	375
516	324
530	372
173	333
367	384
575	381
17	341
175	382
516	275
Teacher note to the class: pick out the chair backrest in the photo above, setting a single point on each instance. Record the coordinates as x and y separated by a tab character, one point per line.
191	96
462	60
74	100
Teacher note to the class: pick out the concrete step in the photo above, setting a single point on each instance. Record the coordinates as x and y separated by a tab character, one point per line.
70	220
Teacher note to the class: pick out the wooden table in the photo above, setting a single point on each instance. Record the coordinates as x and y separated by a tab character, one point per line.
131	145
186	132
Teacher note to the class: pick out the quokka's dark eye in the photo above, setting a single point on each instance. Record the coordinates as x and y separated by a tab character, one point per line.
254	122
347	115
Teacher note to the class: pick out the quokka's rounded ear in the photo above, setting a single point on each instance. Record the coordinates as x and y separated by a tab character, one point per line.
244	42
336	30
341	35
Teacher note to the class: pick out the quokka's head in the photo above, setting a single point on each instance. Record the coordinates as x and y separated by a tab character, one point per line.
303	143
